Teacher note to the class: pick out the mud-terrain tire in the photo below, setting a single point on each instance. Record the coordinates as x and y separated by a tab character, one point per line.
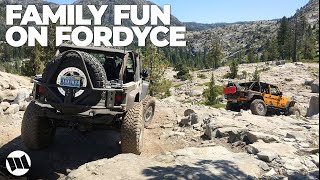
37	132
149	104
233	106
294	111
132	130
73	59
258	107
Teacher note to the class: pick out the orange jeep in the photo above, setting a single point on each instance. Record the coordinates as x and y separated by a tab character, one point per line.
261	98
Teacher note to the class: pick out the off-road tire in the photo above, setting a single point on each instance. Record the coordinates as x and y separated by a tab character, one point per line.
258	107
148	102
72	59
37	132
294	111
233	106
132	130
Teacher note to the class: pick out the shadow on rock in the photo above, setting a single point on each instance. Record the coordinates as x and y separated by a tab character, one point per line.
70	150
205	169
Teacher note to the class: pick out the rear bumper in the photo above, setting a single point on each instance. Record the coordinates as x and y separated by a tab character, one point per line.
95	110
104	116
105	106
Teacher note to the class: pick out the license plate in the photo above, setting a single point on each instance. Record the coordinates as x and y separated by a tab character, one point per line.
70	81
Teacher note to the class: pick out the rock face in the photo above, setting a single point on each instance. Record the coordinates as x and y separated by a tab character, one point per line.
313	106
190	163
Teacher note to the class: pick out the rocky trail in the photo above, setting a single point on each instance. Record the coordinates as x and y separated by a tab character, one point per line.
186	140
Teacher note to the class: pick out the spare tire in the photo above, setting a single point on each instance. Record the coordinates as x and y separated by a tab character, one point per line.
70	64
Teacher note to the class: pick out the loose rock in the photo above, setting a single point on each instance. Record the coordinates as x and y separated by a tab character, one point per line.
255	136
271	173
4	105
14	108
264	166
267	156
251	150
22	95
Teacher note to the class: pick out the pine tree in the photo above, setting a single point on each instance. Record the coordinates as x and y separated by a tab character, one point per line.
264	56
34	65
215	55
272	50
309	44
211	93
156	64
285	38
50	50
251	58
233	69
7	54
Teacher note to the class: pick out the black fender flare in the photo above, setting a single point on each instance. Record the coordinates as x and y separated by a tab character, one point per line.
133	96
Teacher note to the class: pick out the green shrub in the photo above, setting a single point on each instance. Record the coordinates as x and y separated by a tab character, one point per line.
256	75
201	76
244	74
212	92
233	74
161	88
183	73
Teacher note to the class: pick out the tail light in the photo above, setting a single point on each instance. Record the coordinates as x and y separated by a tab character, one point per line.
230	90
118	99
40	89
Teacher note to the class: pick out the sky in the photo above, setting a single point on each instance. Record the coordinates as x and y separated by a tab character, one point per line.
215	11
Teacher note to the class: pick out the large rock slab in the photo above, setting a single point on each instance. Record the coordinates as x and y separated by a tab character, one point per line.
233	134
283	150
313	106
190	163
255	136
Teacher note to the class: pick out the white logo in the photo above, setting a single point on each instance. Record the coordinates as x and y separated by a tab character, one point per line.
18	163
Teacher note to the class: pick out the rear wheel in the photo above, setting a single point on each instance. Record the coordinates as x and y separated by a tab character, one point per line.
149	104
37	132
294	111
132	130
258	107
